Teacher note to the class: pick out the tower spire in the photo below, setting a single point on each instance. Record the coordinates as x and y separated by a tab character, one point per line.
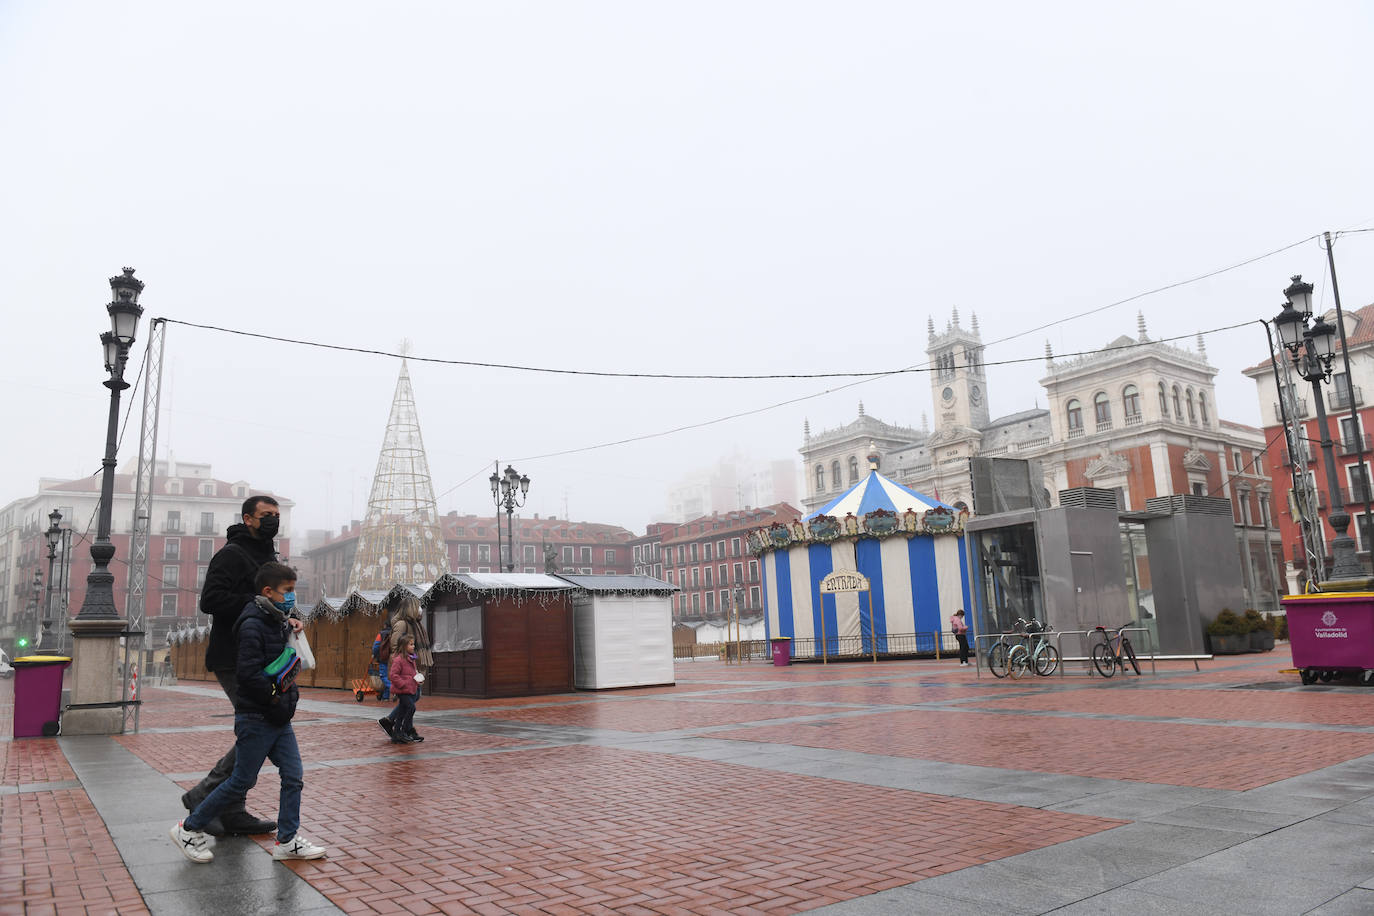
1140	326
401	540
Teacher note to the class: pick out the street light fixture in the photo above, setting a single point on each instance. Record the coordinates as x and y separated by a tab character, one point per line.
503	491
1311	350
124	312
54	537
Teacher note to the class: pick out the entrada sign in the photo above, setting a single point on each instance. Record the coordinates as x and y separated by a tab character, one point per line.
844	580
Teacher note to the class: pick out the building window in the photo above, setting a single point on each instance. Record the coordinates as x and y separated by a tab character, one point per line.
709	583
171	549
835	480
1178	405
1102	410
1192	415
1359	483
464	553
484	553
1199	489
169	605
706	551
739	573
853	469
200	577
586	554
1236	459
753	570
696	605
724	598
207	523
694	551
1163	402
710	602
723	573
696	577
205	549
820	478
1074	411
1202	406
532	553
1130	402
754	597
171	576
173	521
734	547
1366	532
720	550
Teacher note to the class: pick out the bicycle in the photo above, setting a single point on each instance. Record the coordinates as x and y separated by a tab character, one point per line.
1041	657
1113	651
999	653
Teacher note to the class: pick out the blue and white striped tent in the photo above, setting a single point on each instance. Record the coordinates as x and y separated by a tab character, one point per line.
918	571
878	492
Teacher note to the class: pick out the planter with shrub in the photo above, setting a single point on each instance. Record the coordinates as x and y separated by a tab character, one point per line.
1229	634
1261	634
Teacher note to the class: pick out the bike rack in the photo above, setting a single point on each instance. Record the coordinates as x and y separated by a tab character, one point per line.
1087	659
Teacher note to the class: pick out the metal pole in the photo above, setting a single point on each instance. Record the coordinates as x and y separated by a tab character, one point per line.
1350	383
46	637
99	602
1343	555
1297	461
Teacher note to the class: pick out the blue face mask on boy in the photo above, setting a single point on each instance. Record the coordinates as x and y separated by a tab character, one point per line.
288	605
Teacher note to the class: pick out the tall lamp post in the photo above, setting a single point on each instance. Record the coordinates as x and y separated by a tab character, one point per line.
124	314
508	491
1311	350
98	701
46	640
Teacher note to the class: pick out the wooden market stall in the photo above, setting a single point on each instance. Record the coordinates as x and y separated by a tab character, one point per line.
500	634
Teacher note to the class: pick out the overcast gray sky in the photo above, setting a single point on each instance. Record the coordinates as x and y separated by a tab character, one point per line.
704	187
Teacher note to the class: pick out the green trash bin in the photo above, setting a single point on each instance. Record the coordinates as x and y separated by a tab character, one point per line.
38	695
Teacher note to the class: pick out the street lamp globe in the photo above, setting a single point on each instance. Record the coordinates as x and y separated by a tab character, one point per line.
1323	337
1300	295
1290	324
54	532
124	308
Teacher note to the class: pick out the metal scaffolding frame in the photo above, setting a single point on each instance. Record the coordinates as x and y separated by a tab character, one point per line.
138	639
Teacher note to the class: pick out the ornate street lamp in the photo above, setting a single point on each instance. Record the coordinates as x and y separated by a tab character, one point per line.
503	491
124	312
1311	350
54	537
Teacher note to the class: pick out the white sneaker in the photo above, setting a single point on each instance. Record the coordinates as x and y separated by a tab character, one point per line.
298	847
192	843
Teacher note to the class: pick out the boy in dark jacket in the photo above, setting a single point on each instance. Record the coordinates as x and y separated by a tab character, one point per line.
263	708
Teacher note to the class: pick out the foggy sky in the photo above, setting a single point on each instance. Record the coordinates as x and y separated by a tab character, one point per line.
708	187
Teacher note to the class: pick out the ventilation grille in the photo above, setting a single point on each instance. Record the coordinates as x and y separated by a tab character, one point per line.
1202	505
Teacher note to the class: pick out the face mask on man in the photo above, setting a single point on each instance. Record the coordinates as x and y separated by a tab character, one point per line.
268	526
288	605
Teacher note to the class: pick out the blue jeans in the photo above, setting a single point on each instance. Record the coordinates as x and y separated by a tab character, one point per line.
257	740
383	671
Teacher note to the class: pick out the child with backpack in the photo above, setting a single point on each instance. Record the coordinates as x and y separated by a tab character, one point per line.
266	701
405	680
381	654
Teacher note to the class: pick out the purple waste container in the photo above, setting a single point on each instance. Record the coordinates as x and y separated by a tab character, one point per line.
38	695
782	651
1331	634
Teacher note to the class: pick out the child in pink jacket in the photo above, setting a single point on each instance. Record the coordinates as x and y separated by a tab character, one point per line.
405	680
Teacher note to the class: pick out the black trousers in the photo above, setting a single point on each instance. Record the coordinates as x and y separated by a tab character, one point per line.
221	771
963	647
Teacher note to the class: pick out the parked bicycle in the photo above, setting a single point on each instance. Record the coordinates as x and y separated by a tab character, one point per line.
1112	652
1023	638
1039	656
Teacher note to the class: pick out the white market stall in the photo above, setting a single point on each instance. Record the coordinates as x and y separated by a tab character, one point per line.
908	546
622	631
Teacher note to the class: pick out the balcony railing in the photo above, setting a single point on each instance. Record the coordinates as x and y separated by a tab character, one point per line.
1342	397
1302	410
1104	425
1352	445
1356	496
1076	433
1135	419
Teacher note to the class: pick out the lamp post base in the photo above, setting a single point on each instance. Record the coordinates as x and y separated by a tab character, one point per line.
95	678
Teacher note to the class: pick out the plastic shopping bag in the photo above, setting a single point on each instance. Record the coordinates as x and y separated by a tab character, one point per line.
298	642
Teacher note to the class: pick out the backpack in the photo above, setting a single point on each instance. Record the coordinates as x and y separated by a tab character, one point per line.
381	648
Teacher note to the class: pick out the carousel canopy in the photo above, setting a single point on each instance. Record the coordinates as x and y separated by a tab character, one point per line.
877	492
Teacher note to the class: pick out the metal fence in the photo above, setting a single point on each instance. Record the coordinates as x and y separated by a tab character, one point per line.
834	648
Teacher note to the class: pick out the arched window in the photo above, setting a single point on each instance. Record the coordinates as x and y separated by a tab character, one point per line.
1178	406
1163	402
1074	411
835	479
1202	406
1102	410
1130	401
853	469
820	478
1192	415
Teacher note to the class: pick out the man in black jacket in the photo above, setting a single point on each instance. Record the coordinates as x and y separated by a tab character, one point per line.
228	588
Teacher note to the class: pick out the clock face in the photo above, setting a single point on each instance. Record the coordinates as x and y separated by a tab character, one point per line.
948	393
976	395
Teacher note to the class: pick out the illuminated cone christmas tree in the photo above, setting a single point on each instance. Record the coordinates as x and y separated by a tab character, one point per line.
401	540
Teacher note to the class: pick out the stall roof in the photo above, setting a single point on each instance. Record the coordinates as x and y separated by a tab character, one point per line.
621	584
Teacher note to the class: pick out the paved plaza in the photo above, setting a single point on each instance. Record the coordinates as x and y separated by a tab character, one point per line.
896	787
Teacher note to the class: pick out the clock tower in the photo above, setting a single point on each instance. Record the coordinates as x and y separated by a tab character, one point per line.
958	383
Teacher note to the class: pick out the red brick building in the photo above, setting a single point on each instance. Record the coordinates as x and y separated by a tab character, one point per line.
708	561
475	545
